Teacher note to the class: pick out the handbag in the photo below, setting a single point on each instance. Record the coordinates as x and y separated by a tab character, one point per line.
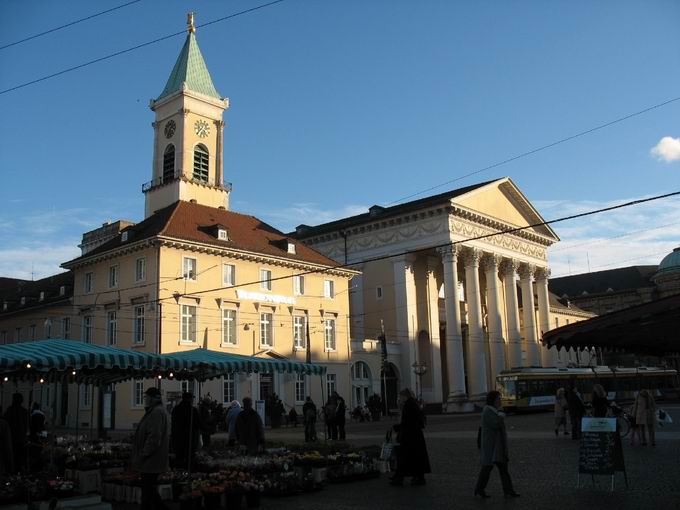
388	446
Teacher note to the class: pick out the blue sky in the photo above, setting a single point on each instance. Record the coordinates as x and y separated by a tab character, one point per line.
338	105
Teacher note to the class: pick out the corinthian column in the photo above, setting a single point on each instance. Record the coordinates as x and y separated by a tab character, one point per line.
548	356
455	364
405	315
493	305
509	272
526	280
476	361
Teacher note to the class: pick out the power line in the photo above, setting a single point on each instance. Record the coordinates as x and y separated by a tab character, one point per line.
133	48
35	36
540	149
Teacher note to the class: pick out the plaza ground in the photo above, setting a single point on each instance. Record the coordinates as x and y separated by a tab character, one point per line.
543	467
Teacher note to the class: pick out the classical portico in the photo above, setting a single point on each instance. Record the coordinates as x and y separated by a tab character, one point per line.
449	297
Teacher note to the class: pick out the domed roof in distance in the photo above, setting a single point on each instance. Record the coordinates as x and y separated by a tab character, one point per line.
670	262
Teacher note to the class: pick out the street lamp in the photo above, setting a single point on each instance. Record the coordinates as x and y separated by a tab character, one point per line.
420	369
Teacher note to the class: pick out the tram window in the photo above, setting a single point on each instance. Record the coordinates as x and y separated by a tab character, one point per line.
522	389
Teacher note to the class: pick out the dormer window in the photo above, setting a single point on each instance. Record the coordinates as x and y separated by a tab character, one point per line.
42	295
124	237
4	306
62	290
291	248
23	300
222	234
375	210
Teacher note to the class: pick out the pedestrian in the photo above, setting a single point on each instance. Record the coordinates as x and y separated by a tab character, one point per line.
600	402
330	410
6	453
644	411
340	417
309	417
207	421
151	448
494	447
292	417
249	428
36	421
576	411
17	418
412	457
185	430
232	414
561	410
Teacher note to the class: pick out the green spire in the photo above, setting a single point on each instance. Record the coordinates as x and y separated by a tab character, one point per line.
190	68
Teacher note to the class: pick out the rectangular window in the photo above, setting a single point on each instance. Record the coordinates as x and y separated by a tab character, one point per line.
265	279
113	277
17	335
300	388
329	289
329	330
138	325
299	332
111	327
66	328
228	388
85	396
266	339
189	269
138	396
188	323
188	387
331	383
87	329
140	269
378	292
229	327
228	274
299	285
32	331
89	283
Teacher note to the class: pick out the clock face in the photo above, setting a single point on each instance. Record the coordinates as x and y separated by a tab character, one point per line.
170	129
201	128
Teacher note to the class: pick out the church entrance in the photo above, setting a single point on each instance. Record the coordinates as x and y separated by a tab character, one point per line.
389	383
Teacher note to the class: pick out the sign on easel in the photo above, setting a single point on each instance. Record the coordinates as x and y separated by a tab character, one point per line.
600	450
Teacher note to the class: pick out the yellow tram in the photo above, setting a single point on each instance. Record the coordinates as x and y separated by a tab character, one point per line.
535	388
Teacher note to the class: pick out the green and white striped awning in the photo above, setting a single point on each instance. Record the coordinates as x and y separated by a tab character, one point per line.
205	364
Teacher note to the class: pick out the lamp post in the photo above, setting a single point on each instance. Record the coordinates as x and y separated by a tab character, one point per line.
420	369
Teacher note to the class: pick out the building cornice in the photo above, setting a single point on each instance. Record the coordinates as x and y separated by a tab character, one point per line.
130	247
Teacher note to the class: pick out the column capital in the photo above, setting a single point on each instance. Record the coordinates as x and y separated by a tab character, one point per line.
542	273
471	257
526	271
509	267
449	253
491	262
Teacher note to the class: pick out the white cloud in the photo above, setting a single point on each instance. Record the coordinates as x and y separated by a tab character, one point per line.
668	149
36	261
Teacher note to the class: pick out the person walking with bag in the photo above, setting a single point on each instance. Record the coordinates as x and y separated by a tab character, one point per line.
412	457
494	447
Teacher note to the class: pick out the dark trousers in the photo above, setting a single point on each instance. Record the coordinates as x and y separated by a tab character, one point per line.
485	473
310	430
332	430
575	425
150	497
341	431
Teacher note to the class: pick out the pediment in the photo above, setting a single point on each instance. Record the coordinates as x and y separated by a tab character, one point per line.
502	200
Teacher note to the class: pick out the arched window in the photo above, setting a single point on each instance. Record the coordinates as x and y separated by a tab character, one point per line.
201	159
169	163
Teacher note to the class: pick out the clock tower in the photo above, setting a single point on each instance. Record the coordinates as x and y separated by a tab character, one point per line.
188	136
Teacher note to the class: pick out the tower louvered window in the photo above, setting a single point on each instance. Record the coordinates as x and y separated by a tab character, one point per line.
169	163
201	159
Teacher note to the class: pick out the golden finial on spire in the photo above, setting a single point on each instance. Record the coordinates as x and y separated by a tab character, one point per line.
191	28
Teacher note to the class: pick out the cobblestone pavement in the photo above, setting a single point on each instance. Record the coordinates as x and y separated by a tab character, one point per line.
543	468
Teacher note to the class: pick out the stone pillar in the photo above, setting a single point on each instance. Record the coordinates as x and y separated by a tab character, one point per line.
509	271
526	275
356	303
433	326
406	315
476	342
494	322
548	356
455	364
219	157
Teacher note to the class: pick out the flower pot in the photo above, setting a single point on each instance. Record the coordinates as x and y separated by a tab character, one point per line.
252	499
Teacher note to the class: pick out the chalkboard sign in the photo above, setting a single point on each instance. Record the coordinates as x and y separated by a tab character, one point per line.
600	450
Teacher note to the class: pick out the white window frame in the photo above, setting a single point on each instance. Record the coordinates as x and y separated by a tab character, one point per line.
331	383
114	276
140	269
229	322
329	289
299	285
228	275
266	279
111	327
138	325
87	328
186	315
299	332
229	379
138	393
66	328
330	334
186	271
263	322
300	388
85	396
88	283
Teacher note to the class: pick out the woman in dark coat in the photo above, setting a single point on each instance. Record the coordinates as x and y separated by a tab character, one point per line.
412	457
600	402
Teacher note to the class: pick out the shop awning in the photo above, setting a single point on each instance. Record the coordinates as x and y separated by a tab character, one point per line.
650	328
207	364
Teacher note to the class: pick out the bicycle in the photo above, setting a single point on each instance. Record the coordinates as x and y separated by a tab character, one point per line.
624	420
